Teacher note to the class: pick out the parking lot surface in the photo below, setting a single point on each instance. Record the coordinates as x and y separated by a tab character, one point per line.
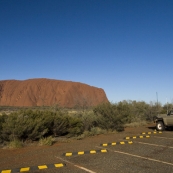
103	153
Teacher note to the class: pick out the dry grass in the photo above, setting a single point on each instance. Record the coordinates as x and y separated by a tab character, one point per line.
46	141
15	144
136	124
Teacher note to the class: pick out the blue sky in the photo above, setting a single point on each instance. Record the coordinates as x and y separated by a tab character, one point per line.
122	46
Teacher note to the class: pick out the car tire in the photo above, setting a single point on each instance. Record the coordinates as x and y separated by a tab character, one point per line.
160	126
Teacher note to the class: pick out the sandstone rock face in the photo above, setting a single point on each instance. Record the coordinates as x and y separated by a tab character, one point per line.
49	92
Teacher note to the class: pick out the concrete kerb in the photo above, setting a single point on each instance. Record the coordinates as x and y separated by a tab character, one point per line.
149	133
116	143
68	154
144	135
85	152
33	168
135	137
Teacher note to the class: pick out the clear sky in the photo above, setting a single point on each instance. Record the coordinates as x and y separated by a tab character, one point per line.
122	46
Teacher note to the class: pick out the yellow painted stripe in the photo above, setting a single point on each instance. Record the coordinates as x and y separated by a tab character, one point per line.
92	151
149	132
68	154
24	169
114	143
130	142
143	133
105	144
6	171
58	165
127	137
134	137
154	132
42	167
103	151
147	136
141	136
160	132
81	152
122	142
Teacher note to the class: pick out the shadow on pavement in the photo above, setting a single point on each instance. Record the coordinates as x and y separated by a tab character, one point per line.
152	128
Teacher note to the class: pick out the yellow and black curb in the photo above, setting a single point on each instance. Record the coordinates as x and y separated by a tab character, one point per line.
33	168
117	143
155	132
135	137
85	152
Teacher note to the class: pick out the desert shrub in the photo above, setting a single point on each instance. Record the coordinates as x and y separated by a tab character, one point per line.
133	111
46	141
2	120
75	126
34	125
89	120
26	125
108	117
60	125
67	125
15	144
136	124
36	128
11	128
93	131
39	124
80	137
140	110
96	131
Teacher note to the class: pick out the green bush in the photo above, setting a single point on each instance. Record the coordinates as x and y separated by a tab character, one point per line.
108	117
2	120
75	126
89	120
27	125
39	124
34	125
60	125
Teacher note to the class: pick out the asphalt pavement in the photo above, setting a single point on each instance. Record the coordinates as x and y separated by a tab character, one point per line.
106	154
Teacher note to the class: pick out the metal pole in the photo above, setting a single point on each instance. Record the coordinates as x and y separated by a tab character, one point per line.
157	103
167	105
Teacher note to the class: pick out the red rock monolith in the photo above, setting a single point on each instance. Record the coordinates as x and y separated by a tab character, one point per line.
49	92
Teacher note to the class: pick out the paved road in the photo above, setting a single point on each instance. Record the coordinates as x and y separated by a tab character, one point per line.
153	154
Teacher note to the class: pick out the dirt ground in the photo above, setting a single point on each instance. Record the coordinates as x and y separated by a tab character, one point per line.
39	155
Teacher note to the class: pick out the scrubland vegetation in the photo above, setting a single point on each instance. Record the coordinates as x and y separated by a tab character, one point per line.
43	125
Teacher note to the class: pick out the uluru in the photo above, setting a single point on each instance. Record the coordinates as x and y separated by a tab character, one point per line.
49	92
